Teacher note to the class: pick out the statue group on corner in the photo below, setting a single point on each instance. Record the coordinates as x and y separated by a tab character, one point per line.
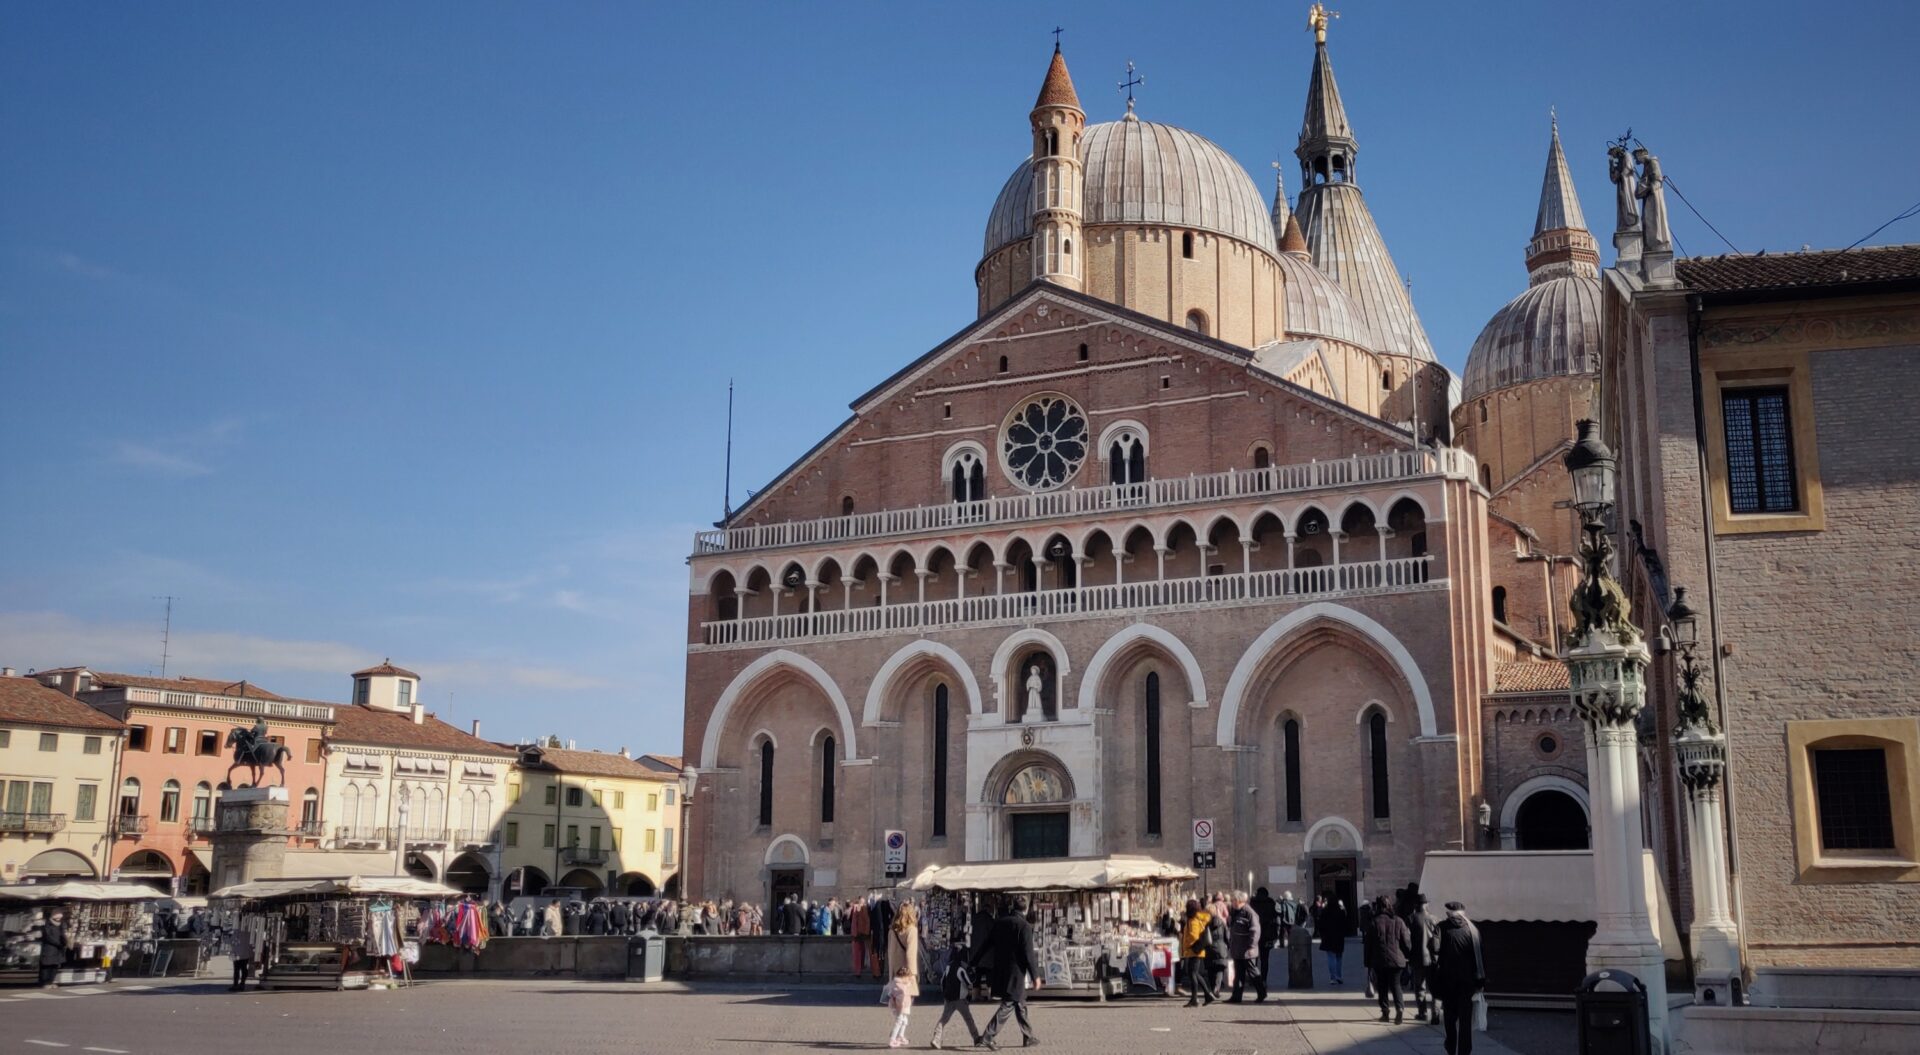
1639	197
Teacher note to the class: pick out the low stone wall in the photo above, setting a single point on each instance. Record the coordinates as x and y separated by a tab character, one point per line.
766	957
1701	1030
577	957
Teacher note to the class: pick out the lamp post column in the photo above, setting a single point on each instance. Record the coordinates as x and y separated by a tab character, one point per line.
1701	751
1607	674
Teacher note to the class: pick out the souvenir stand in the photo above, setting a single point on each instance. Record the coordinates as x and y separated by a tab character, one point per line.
332	933
1097	919
102	918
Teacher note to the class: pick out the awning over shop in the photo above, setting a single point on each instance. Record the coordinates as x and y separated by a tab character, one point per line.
347	886
203	858
1101	873
74	890
58	863
1547	886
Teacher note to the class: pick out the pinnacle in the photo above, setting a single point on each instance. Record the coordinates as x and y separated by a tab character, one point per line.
1057	90
1292	241
1559	203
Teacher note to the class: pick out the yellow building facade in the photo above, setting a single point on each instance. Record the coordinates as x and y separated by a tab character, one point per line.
599	822
58	762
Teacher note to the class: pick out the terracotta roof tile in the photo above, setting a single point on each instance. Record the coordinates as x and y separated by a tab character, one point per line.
673	762
1057	90
595	763
26	700
386	667
1530	675
366	725
1817	268
209	686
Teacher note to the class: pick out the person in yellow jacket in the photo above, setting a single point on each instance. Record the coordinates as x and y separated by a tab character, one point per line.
1194	944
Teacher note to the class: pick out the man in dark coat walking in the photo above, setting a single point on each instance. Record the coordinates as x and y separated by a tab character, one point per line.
1244	943
1458	973
1011	960
53	946
1388	946
1267	911
1420	928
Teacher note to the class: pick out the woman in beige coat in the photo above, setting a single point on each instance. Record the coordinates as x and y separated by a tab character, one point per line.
903	946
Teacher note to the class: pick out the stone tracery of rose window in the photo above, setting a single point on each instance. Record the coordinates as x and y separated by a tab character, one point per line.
1044	443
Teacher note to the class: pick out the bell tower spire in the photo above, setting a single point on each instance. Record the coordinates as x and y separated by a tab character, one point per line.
1327	145
1561	243
1058	181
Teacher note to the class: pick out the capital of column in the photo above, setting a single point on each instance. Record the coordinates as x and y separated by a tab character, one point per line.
1702	755
1607	680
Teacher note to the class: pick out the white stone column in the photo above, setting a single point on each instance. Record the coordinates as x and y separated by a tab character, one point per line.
1716	940
1608	682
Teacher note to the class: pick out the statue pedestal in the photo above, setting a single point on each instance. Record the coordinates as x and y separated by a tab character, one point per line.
1626	247
250	835
1657	268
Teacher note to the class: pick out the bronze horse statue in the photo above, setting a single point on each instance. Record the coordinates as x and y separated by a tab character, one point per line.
252	749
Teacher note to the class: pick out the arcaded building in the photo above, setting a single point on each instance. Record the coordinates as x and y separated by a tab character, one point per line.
1170	531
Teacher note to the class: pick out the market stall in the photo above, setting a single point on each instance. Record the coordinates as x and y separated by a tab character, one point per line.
346	933
102	918
1103	924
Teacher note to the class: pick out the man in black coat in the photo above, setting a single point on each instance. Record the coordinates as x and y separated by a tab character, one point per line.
1388	945
1011	959
1459	971
1420	928
53	946
1267	911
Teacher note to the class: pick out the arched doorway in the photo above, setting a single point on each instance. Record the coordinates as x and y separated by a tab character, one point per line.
419	865
1034	796
526	880
634	884
468	872
1551	820
57	864
582	880
150	867
672	889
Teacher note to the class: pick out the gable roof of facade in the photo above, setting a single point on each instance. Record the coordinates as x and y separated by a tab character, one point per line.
1011	307
1822	268
376	728
386	668
26	700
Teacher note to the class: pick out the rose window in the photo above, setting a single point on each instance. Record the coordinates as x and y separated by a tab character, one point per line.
1044	443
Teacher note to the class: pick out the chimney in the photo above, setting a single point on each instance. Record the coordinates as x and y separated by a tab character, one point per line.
6	672
570	745
476	728
623	751
419	714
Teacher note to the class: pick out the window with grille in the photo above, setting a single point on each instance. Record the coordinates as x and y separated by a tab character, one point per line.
1759	435
1854	800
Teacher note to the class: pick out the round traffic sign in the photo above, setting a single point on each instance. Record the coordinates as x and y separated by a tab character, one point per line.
896	840
1203	829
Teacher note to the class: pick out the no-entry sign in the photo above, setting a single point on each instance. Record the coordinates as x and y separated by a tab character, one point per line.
1203	835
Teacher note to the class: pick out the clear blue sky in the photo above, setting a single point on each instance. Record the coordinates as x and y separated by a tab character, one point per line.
404	330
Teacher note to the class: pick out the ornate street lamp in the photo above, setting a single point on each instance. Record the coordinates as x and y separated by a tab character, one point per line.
1700	750
1606	672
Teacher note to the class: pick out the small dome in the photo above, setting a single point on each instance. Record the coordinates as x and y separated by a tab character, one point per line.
1551	330
1139	172
1318	307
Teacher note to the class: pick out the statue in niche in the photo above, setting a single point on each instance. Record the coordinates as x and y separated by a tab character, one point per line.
1036	709
1655	233
1626	190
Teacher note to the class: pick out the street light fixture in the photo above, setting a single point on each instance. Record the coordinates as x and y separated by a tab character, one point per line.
1591	465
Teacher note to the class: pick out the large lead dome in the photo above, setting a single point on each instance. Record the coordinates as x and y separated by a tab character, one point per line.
1139	172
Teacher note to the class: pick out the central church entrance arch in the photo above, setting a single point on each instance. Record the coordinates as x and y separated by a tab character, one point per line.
1033	795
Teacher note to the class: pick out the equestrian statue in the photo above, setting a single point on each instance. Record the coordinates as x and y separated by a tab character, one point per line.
252	748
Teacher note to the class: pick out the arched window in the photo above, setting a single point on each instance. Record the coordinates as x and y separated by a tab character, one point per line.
1386	380
310	810
202	801
1377	763
1034	786
1003	364
1083	353
467	804
766	783
966	472
1486	476
1262	457
369	807
130	798
846	505
1197	322
1127	458
1066	247
1290	750
1483	410
436	811
1186	245
1499	604
939	761
826	780
1053	143
170	802
350	805
1153	753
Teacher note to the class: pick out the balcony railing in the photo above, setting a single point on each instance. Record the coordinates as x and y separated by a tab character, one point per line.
310	829
1280	584
1083	501
476	839
129	825
32	823
584	855
355	835
200	701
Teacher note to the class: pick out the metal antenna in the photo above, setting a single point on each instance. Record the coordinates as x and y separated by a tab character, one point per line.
726	502
166	635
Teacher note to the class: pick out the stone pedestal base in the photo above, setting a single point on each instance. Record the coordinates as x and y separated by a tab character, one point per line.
250	835
1299	959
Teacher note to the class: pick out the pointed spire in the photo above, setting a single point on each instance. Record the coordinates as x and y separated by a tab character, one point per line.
1326	137
1057	90
1561	242
1280	211
1291	240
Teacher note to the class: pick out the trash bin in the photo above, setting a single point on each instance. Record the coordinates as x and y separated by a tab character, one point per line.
1611	1008
646	957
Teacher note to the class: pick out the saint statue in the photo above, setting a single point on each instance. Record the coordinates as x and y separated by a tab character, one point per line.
1655	233
1626	209
1036	710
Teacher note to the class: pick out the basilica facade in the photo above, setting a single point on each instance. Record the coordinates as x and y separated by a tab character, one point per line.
1188	523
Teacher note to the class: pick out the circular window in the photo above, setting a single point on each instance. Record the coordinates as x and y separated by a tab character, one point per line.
1548	744
1044	443
1034	785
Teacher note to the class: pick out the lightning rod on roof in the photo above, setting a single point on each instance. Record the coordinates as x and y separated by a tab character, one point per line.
166	634
726	501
